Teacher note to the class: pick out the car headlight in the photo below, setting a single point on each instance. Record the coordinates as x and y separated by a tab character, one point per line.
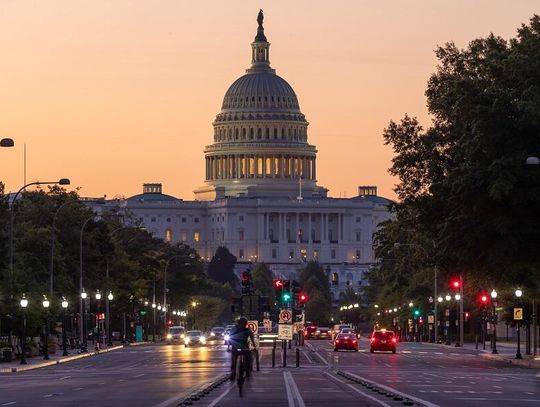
212	334
203	339
227	337
169	336
182	336
186	340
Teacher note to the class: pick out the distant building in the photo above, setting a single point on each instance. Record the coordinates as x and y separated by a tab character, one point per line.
260	198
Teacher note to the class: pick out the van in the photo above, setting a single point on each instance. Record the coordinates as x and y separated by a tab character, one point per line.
176	334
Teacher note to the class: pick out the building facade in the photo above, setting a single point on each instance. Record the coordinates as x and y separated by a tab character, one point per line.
260	198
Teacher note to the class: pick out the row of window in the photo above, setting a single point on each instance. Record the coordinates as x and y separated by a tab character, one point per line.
252	133
303	254
184	219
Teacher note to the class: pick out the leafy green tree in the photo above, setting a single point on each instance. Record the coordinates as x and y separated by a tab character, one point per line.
263	279
221	267
314	282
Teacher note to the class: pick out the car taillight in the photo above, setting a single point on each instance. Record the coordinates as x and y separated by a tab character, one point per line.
372	339
353	341
337	340
394	340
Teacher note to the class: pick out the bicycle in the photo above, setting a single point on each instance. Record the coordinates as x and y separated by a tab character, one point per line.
242	367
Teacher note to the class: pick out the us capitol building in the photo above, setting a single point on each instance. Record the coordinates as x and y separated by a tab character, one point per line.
260	198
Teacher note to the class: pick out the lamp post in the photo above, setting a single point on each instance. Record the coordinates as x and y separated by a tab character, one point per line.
494	321
81	289
110	297
62	181
98	298
447	318
457	297
154	320
46	304
518	293
82	327
24	304
64	338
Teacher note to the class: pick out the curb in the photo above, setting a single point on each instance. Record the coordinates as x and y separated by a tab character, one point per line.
57	362
527	362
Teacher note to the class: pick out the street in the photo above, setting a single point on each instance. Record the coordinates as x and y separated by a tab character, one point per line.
160	375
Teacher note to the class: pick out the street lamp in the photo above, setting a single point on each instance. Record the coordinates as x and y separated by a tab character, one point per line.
24	304
46	305
82	328
447	297
518	293
64	339
494	321
7	142
62	181
98	297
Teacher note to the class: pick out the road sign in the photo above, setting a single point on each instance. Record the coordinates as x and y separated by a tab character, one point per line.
285	331
285	316
518	314
254	326
298	326
267	324
431	319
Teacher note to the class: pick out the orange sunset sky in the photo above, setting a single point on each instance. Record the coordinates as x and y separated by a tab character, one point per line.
114	93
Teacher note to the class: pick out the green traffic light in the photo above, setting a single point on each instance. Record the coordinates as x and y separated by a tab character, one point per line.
416	312
286	297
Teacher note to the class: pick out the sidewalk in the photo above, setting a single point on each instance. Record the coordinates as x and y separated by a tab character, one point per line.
37	362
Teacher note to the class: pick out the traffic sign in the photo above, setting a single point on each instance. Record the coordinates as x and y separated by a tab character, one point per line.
267	324
285	316
431	319
298	326
254	326
285	331
518	314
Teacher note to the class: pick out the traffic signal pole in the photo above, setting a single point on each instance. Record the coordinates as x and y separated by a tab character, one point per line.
461	310
435	301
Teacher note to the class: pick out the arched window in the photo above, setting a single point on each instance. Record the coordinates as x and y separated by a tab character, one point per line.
168	235
335	279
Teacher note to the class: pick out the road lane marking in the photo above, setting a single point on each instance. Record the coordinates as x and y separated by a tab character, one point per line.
139	375
217	400
64	378
187	392
9	403
293	394
392	390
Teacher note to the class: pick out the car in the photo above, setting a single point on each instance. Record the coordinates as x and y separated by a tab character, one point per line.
309	331
346	342
217	334
383	340
322	333
347	331
176	334
194	338
337	329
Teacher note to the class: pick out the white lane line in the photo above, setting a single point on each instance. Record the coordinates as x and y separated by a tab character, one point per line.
388	365
47	395
392	390
9	403
79	388
293	394
64	378
213	403
139	375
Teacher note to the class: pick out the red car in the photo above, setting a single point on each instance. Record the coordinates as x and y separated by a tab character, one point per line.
346	341
383	340
309	332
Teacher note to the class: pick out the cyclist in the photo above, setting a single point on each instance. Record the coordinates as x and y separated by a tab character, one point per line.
239	336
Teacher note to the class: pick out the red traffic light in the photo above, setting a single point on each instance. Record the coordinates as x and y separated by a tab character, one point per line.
302	298
484	299
455	284
279	284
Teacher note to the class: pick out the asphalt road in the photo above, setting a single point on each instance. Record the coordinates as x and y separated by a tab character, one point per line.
160	375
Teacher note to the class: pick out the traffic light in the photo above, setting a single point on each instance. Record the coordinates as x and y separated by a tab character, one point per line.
285	297
295	291
302	298
245	276
278	284
455	284
484	299
416	313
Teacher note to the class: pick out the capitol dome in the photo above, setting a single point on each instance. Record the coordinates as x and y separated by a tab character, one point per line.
260	136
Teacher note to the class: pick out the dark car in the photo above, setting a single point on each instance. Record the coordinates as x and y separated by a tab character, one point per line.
217	334
346	342
309	332
383	340
322	333
176	334
194	338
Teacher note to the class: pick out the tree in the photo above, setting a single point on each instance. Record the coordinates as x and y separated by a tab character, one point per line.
221	267
263	279
314	282
463	185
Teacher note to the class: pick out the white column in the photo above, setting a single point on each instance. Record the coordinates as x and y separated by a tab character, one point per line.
263	166
297	227
309	228
339	228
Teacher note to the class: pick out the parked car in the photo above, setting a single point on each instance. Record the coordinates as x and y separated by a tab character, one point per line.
175	335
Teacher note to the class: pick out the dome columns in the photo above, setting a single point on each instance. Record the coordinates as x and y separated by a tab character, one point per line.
241	166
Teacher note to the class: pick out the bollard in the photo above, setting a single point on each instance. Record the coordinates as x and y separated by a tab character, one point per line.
476	340
284	353
290	344
257	360
297	357
274	356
